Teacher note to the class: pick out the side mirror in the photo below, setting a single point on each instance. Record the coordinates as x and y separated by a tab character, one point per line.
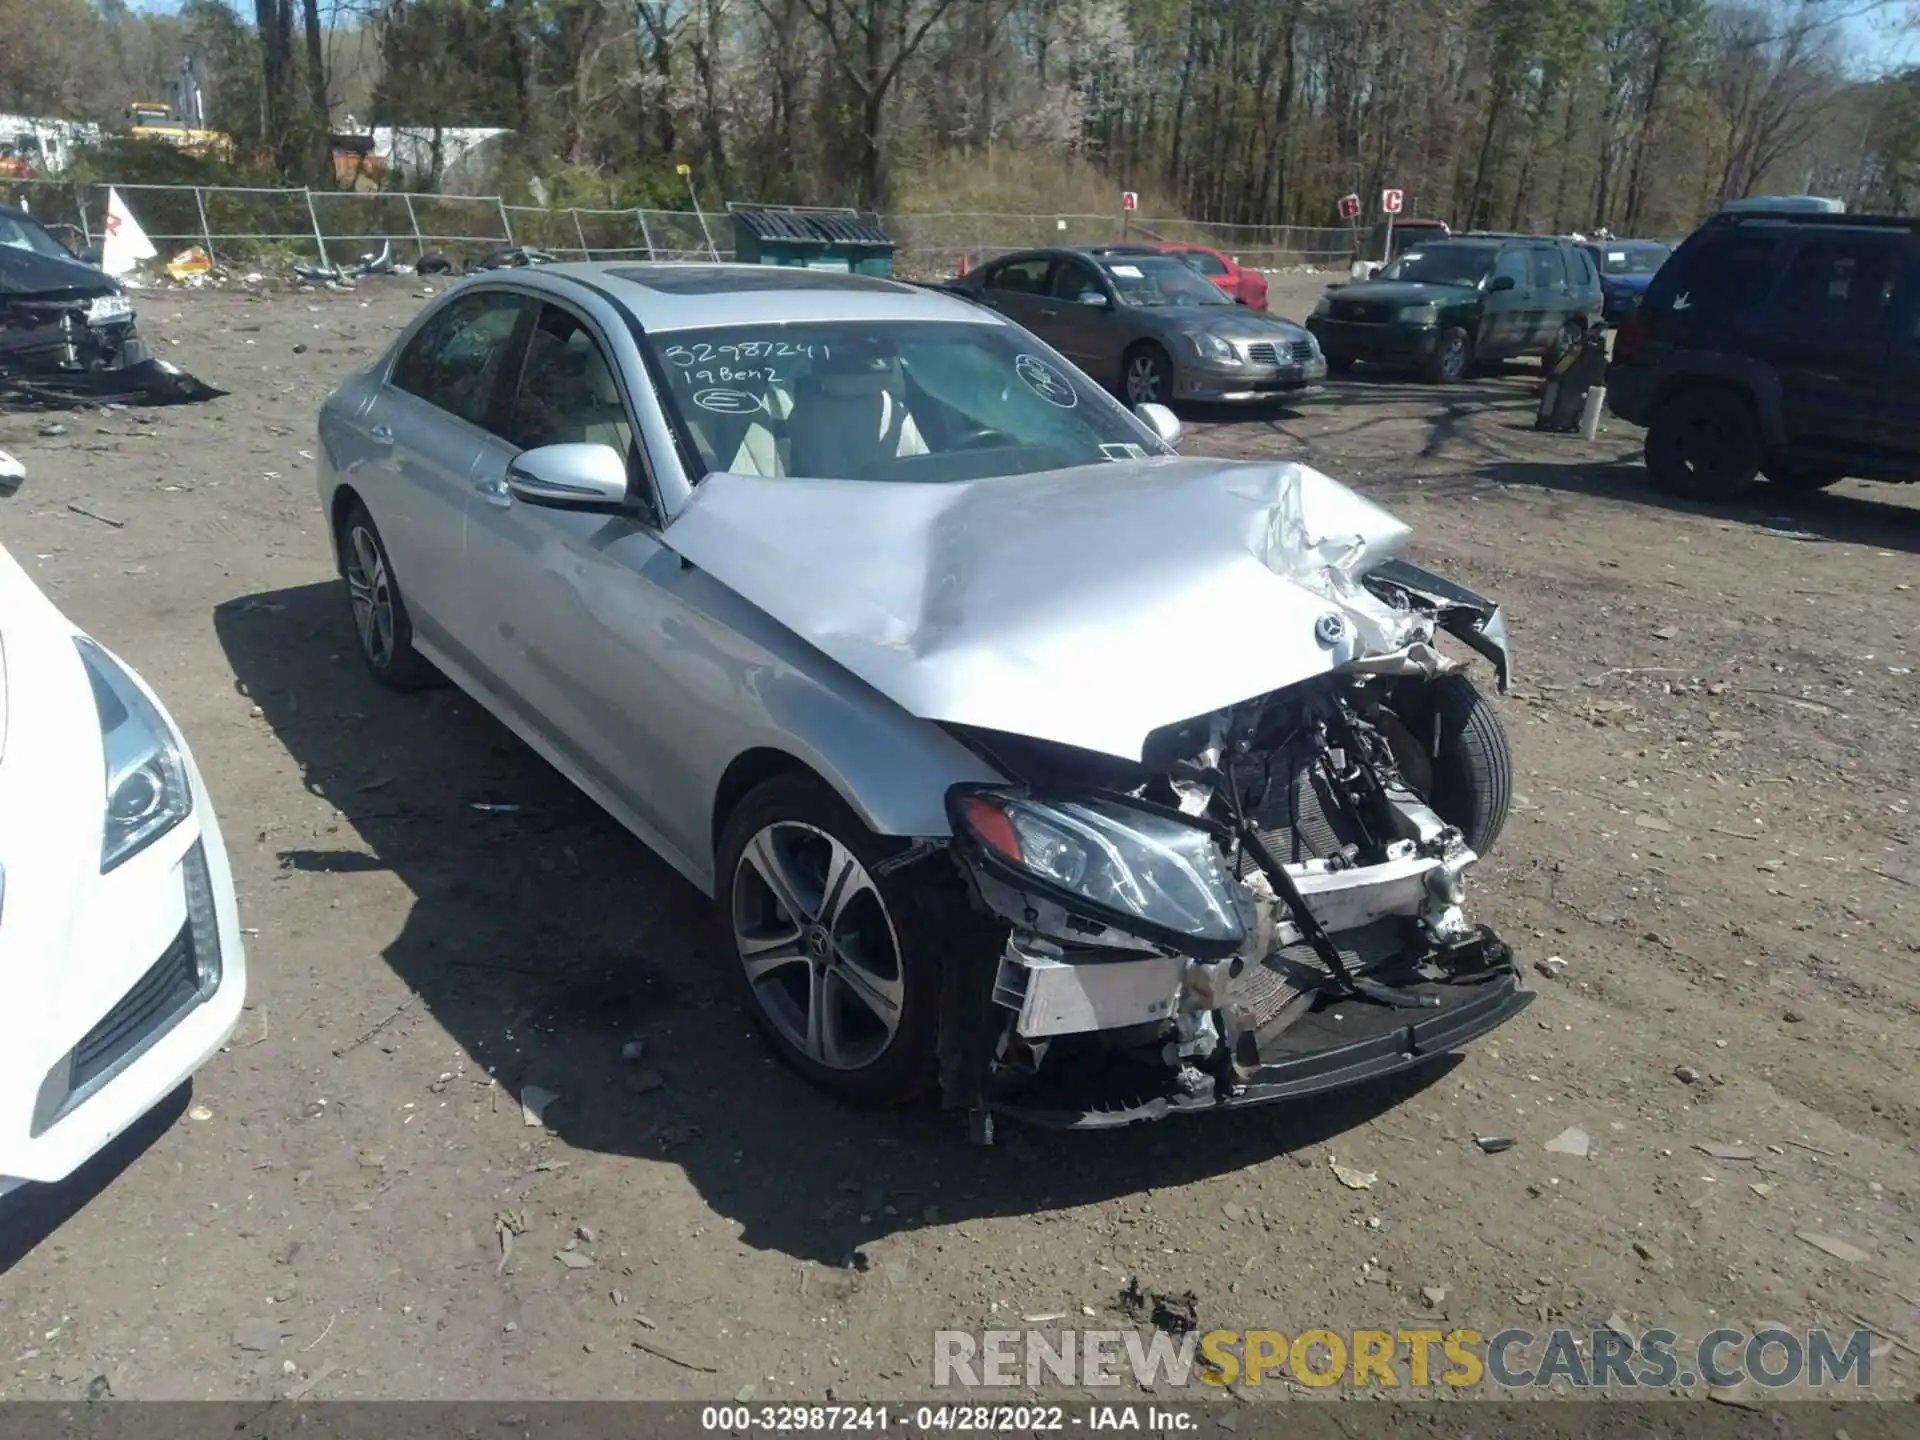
1162	421
1093	299
1499	283
570	477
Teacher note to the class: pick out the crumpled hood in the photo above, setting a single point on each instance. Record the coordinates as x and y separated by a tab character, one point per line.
27	272
1087	606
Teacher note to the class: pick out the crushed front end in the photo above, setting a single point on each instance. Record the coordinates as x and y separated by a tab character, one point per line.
70	347
1268	904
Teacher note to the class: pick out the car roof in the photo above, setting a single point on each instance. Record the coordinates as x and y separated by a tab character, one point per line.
666	297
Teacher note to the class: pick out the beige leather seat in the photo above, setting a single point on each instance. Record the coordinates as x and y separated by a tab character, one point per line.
847	425
602	419
743	444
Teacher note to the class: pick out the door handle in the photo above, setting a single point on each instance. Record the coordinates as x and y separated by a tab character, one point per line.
1049	314
494	492
381	434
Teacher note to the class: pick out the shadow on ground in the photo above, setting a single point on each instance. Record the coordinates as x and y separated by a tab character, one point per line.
544	937
30	1216
1859	513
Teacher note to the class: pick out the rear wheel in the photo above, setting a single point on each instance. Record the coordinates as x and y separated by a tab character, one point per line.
1452	358
1570	336
1704	444
380	620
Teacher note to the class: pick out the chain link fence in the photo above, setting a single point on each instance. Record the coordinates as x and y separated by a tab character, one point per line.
258	227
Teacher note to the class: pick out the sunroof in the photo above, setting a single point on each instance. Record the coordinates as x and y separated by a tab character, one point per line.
741	279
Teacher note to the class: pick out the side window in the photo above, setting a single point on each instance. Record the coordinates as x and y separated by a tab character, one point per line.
1205	261
1580	268
568	391
1545	269
1023	277
1071	278
1513	264
1839	286
1727	275
454	362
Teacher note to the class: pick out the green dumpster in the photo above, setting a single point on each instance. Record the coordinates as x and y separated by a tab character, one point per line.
811	239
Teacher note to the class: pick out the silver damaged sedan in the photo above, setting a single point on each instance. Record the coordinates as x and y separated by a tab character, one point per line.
1021	756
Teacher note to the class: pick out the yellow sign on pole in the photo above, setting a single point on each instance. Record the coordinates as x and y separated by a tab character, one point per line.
683	169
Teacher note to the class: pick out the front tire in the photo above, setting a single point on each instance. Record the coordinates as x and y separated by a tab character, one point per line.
1455	754
381	624
1451	360
1704	444
837	964
1147	375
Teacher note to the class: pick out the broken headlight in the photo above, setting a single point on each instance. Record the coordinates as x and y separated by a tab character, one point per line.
1142	871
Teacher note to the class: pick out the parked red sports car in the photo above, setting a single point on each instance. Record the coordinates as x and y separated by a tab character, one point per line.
1249	287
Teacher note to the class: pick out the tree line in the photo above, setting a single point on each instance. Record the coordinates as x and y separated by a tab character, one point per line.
1515	114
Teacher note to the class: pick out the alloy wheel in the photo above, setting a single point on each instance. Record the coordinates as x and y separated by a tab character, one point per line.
1143	380
819	948
1453	356
372	594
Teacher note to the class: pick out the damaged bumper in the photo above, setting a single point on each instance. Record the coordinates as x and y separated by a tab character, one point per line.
84	350
1271	909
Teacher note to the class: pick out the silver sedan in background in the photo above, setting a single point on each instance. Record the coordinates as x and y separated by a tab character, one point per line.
1018	753
1150	327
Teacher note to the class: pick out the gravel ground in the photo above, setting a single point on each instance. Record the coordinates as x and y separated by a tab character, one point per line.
1711	864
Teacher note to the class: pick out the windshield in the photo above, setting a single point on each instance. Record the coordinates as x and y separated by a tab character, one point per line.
1442	265
1153	281
900	401
21	234
1632	259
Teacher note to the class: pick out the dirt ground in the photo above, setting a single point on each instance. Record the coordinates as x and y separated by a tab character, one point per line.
1712	863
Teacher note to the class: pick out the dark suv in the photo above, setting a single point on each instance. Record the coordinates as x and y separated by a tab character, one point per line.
1448	304
1782	345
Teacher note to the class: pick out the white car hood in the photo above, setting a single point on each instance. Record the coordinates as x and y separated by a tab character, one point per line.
1087	606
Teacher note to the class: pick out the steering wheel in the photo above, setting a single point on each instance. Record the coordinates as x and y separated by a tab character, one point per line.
985	438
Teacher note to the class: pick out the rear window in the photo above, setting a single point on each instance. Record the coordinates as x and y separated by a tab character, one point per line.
1205	261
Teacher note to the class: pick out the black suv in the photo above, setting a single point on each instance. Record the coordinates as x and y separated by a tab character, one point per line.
1782	345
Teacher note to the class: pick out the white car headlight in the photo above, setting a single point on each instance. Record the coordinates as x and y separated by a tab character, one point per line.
1147	873
1418	314
147	793
1212	347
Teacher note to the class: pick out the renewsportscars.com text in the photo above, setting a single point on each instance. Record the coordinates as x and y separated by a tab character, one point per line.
1511	1359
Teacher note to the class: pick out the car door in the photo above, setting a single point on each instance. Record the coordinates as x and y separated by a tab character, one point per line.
1897	429
544	583
1087	334
1017	288
1829	338
424	432
1506	326
1549	294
